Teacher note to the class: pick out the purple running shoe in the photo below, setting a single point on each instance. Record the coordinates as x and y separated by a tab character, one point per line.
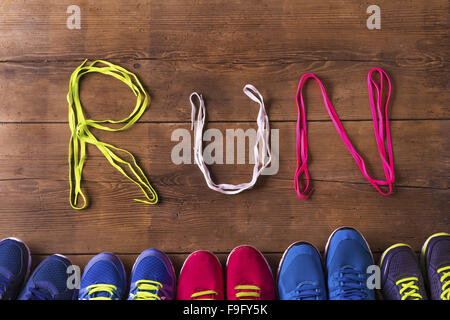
401	277
435	260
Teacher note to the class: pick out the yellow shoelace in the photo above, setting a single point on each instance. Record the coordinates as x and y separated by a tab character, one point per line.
445	280
97	288
245	294
195	296
143	288
81	135
409	288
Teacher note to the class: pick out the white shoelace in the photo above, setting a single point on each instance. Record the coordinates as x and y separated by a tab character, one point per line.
259	150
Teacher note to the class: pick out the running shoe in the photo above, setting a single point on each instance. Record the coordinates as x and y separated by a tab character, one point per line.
201	278
249	276
152	277
49	281
436	265
15	261
300	274
104	278
401	278
347	258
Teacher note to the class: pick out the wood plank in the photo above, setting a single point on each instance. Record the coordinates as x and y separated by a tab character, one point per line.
226	31
36	92
34	205
34	151
270	219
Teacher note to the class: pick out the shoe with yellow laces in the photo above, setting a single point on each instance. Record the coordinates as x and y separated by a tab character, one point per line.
249	276
201	278
401	277
435	260
104	278
152	277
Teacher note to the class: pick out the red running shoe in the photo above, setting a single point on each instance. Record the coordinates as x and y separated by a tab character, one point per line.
249	276
201	278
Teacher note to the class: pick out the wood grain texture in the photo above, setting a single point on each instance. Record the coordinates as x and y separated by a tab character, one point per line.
226	31
36	92
40	152
215	48
191	216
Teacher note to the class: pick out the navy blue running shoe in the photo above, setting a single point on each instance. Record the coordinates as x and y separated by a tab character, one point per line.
104	278
15	261
49	281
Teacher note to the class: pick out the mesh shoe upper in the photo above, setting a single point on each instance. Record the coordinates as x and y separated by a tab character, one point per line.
14	265
400	263
437	256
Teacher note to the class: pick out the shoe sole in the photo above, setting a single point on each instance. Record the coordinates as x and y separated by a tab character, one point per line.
284	255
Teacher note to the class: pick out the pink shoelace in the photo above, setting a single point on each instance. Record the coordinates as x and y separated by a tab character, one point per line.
380	125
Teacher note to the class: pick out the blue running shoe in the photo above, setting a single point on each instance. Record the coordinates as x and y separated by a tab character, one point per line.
15	261
436	265
300	274
104	278
347	258
401	278
49	281
152	277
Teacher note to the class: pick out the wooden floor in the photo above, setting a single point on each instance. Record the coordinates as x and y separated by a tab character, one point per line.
216	47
